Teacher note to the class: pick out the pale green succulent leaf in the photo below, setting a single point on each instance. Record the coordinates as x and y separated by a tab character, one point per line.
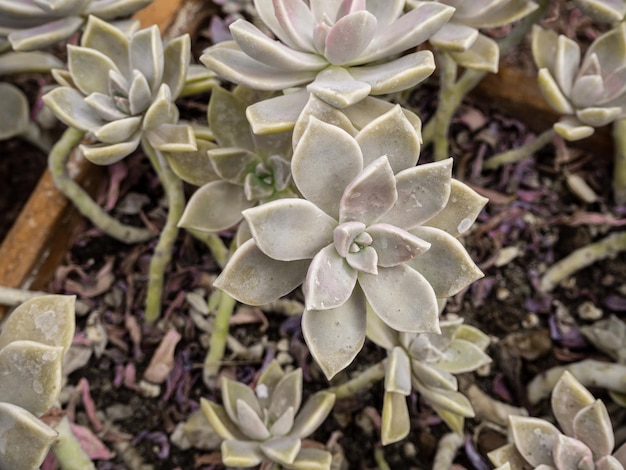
553	93
396	422
220	421
284	423
431	377
31	375
115	8
446	265
232	392
572	129
70	107
312	459
566	63
336	336
608	462
266	12
396	75
365	260
28	62
569	452
194	167
109	40
267	382
609	47
592	425
393	135
317	153
508	458
544	46
454	421
398	372
107	154
118	131
534	439
287	394
250	422
473	335
43	36
504	13
25	439
236	453
104	107
455	37
296	24
325	113
312	414
423	192
172	138
232	164
139	93
462	356
14	113
329	281
246	276
227	118
161	111
349	37
277	114
89	69
365	111
282	449
338	87
146	55
215	206
49	320
604	11
176	54
394	245
483	54
392	294
378	331
569	396
449	400
597	117
588	91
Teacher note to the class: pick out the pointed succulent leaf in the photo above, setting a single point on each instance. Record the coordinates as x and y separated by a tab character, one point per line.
568	398
282	449
394	245
146	55
89	69
104	107
284	423
267	382
396	423
597	117
566	63
365	111
104	154
336	336
608	47
570	452
455	37
462	356
461	210
116	8
118	131
139	93
227	118
172	138
507	457
534	439
232	164
161	111
41	37
365	260
310	458
588	91
220	421
423	191
195	168
329	281
449	400
325	154
544	45
48	320
572	129
109	40
290	229
312	414
483	54
325	113
25	439
402	298
608	462
14	114
455	422
604	11
28	62
246	276
286	394
398	372
70	107
378	331
592	425
236	453
433	377
473	335
552	93
232	392
393	135
277	114
338	87
176	57
250	422
447	265
503	14
349	37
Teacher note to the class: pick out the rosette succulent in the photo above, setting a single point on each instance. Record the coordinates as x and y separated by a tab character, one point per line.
32	344
363	234
121	90
589	92
340	50
27	25
461	38
267	424
587	440
427	362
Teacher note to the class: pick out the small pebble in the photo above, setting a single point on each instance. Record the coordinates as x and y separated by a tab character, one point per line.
502	293
484	370
530	320
283	358
607	280
283	345
198	302
149	390
588	311
409	450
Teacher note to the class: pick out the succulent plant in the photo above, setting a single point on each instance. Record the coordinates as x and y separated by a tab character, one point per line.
590	92
33	341
335	48
427	362
268	423
37	24
249	169
587	440
365	233
460	36
609	336
122	89
608	11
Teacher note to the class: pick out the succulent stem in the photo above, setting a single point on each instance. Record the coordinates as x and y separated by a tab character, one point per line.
162	256
214	242
583	257
219	335
34	136
619	169
449	100
446	451
67	449
363	381
379	457
57	163
520	153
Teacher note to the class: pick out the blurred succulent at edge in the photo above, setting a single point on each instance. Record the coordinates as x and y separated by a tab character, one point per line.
373	228
33	342
604	11
122	89
335	48
587	440
427	361
460	36
37	24
589	93
268	424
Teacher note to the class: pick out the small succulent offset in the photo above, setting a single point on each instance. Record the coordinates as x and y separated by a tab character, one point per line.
587	440
122	89
460	36
32	344
427	362
365	233
590	92
37	24
335	48
268	424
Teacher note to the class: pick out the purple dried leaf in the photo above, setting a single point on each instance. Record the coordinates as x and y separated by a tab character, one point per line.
565	335
89	404
162	361
477	460
616	303
90	443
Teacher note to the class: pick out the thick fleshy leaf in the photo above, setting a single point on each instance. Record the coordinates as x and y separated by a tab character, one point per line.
284	423
48	319
297	22
146	55
396	423
215	206
507	458
118	131
398	372
254	278
232	393
597	117
569	452
566	63
277	114
69	106
609	462
370	195
104	154
194	167
250	422
267	382
220	421
587	91
105	107
176	57
139	93
312	414
41	37
592	425
446	265
450	400
161	111
500	14
237	453
282	449
325	113
473	335
454	421
325	160
568	398
311	458
394	245
396	75
349	36
89	69
423	191
227	118
393	135
336	336
287	394
290	229
28	62
14	114
329	281
544	44
337	87
462	356
172	138
534	439
109	40
402	298
378	331
572	129
366	260
115	8
431	377
25	440
604	11
232	164
483	54
454	37
552	93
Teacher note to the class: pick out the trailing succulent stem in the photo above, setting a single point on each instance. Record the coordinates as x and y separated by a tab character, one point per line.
619	169
520	153
219	335
68	451
361	382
